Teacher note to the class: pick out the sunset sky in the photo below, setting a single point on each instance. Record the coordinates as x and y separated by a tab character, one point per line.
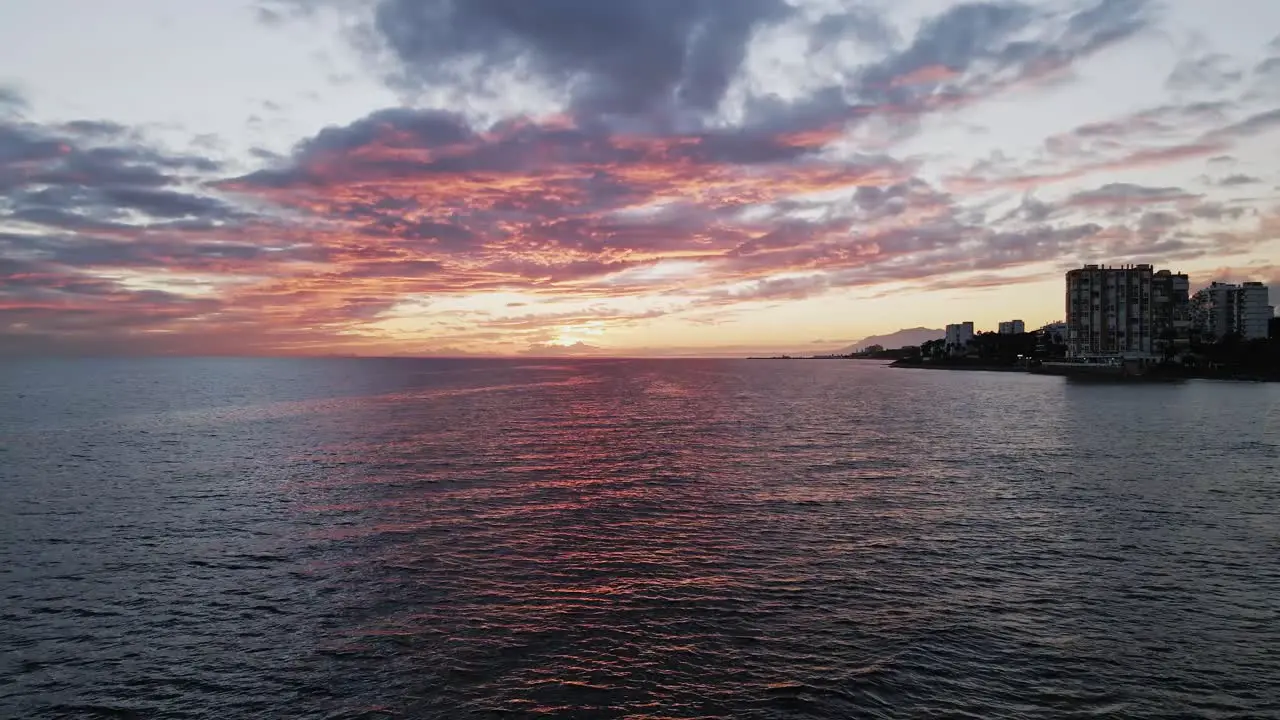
630	177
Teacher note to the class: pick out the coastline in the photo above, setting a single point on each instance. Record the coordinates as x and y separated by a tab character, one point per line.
969	368
1159	374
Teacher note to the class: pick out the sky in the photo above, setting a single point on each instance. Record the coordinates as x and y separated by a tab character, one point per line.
632	177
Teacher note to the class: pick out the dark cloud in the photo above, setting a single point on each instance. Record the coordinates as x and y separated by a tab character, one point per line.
393	127
860	24
86	251
786	234
168	203
406	143
44	306
1108	21
266	155
1253	125
658	58
32	155
1031	210
100	177
85	204
95	128
968	52
1218	211
994	36
957	39
622	56
1127	193
1239	179
1212	72
58	218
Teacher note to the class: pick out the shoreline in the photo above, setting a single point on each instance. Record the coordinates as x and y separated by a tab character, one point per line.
969	368
1165	375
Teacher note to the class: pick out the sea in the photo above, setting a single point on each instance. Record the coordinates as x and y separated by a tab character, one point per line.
402	538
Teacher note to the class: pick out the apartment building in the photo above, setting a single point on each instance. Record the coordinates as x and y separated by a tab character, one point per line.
1055	332
959	335
1170	311
1013	327
1224	309
1130	311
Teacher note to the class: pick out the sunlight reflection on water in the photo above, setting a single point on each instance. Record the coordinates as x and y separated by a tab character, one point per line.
444	539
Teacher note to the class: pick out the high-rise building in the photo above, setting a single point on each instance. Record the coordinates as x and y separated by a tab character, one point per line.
959	335
1055	332
1170	311
1013	327
1051	340
1128	311
1224	309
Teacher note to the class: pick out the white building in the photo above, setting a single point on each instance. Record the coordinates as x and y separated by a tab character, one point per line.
1013	327
1055	332
1224	309
959	335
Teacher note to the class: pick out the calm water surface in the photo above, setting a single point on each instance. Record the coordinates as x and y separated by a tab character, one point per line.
640	539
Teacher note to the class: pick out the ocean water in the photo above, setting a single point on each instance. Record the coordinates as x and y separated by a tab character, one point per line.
337	538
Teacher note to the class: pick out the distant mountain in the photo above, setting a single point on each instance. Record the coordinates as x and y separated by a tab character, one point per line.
892	341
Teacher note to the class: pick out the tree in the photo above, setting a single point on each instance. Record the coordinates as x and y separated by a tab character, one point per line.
933	348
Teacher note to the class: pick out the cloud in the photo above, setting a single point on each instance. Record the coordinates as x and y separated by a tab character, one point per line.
659	174
956	40
1133	159
398	144
682	63
566	210
1239	179
624	56
1253	125
927	75
85	197
73	156
987	39
1213	72
1262	271
551	202
783	288
106	239
1129	194
43	298
11	101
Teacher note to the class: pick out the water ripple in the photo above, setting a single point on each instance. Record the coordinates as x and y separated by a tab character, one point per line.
627	539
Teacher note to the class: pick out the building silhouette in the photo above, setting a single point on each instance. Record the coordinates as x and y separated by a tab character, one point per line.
1130	311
